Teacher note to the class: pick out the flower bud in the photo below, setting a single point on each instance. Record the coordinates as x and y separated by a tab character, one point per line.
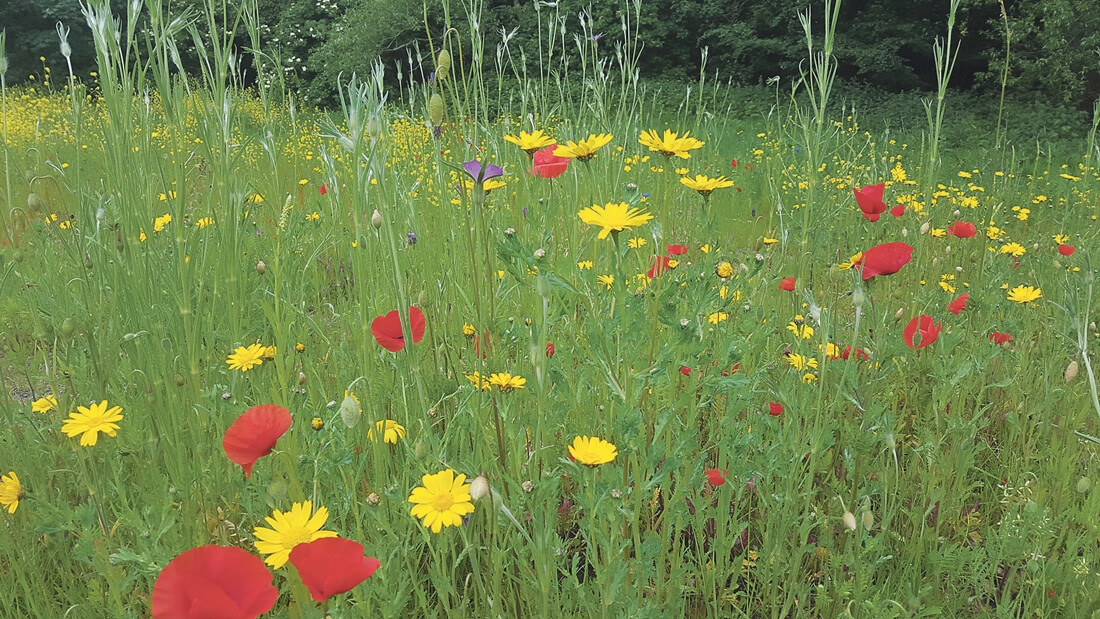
925	227
905	232
376	219
868	520
947	250
1071	371
34	203
435	110
857	297
849	520
479	487
1083	485
301	378
540	253
261	267
443	65
957	213
899	314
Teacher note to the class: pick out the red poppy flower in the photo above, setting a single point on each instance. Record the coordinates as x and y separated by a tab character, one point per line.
387	329
898	210
685	370
1066	250
547	164
658	266
775	409
213	581
323	190
478	352
861	355
928	328
886	259
787	284
869	199
254	434
677	250
733	370
959	304
733	163
962	229
999	338
332	565
716	477
550	349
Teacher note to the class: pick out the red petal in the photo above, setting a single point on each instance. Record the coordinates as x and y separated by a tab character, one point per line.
962	229
775	409
387	329
331	566
959	304
898	210
787	284
213	582
927	327
254	434
886	259
869	199
547	164
1066	250
716	477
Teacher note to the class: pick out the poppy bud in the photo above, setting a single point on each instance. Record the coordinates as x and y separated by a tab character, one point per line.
1057	265
1083	485
68	328
301	378
443	65
540	253
868	520
947	250
261	267
849	520
935	262
925	227
422	299
899	314
857	297
376	219
179	380
479	487
957	212
374	126
435	110
1071	371
905	232
34	203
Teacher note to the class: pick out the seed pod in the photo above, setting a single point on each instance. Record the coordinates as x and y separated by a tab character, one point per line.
435	110
849	520
443	65
1071	371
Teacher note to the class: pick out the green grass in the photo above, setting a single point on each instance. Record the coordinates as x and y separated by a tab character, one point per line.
964	466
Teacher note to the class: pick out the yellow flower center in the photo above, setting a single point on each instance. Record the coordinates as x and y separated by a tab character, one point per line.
296	535
443	502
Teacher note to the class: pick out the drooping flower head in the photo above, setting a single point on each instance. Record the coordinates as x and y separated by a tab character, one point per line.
615	217
89	421
870	202
545	164
886	259
530	142
254	434
213	581
704	184
670	145
585	149
387	329
442	500
288	529
593	451
10	491
332	565
924	325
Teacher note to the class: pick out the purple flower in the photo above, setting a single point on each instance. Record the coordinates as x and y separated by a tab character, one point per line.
411	239
481	174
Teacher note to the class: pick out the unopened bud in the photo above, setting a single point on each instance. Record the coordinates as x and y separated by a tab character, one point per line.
899	314
540	253
849	520
947	250
479	487
301	378
435	110
925	227
34	203
376	219
261	267
905	232
443	65
868	520
957	213
1083	485
857	297
1071	371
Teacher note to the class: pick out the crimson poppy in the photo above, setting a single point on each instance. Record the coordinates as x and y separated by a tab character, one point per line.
885	259
898	210
870	202
959	304
962	229
775	409
213	581
1066	250
332	565
547	164
387	329
716	477
549	349
685	370
999	338
928	328
861	355
658	266
733	163
677	250
254	434
787	284
323	190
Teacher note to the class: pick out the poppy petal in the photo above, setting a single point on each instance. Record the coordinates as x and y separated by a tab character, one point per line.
332	565
213	581
387	329
886	259
254	434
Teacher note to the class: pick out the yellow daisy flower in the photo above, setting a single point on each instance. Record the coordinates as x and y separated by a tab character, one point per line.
670	144
244	359
614	217
585	149
90	421
592	451
10	491
530	142
704	184
390	430
442	500
1024	294
288	529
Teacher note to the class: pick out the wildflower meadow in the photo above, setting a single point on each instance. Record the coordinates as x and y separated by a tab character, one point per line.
500	343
